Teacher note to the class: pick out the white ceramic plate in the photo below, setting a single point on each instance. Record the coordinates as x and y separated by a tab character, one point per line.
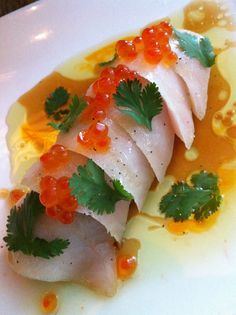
194	276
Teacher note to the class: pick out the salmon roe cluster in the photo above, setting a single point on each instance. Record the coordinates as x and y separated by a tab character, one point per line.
153	42
96	137
56	197
55	158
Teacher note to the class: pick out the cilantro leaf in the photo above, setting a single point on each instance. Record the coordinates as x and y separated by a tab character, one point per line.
141	104
207	181
20	224
195	47
75	109
201	199
60	114
121	190
90	189
109	62
55	100
204	180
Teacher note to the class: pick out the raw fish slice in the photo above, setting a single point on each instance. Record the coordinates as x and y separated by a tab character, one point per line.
156	145
196	77
35	172
123	161
173	91
90	259
114	223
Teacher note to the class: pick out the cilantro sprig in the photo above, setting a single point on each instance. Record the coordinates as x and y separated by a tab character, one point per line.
20	226
195	47
90	189
55	100
108	62
75	109
140	104
201	199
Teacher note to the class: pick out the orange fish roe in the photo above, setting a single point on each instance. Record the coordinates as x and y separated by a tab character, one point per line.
55	196
154	42
126	49
55	158
15	195
126	266
96	137
49	303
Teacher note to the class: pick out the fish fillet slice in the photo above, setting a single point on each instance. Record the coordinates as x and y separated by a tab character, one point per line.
156	145
173	91
90	258
114	223
123	161
196	77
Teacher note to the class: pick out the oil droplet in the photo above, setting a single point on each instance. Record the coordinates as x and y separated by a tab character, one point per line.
218	116
227	121
49	302
192	154
231	132
223	95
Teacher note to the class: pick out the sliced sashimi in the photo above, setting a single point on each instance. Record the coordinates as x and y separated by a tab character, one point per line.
114	222
123	161
196	77
90	259
174	92
157	144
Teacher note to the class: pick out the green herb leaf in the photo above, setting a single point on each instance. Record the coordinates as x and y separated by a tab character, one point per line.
201	199
140	104
195	47
75	109
90	189
60	114
121	190
20	225
55	100
109	62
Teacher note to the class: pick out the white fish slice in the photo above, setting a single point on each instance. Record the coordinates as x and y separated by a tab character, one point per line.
90	259
156	145
123	161
114	223
196	77
174	92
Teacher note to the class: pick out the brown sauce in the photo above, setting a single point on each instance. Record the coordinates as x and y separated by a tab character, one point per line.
200	16
35	129
213	150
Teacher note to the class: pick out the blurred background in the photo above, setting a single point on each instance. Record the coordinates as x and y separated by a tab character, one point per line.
7	6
